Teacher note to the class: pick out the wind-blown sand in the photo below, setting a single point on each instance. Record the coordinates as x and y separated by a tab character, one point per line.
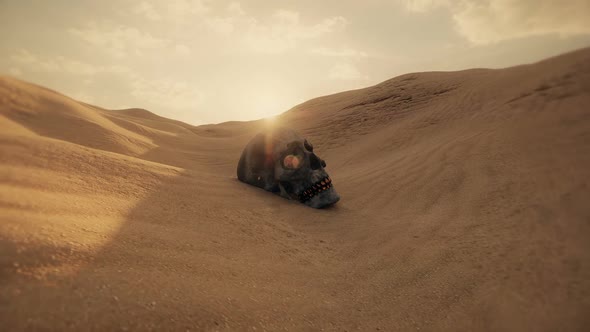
465	206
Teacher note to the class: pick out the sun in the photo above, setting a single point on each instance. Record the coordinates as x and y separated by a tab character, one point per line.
267	99
268	105
271	121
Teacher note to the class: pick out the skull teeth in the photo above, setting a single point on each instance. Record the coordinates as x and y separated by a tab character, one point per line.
316	188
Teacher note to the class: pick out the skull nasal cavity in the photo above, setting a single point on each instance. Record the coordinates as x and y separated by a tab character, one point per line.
315	162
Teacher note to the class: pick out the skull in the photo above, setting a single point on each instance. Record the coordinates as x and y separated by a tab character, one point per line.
282	162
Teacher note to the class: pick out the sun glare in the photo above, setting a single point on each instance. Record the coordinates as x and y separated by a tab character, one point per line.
267	105
267	102
270	121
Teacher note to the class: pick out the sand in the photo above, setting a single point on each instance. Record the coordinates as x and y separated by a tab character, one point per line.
465	206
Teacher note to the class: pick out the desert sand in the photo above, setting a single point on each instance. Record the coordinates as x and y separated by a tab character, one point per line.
465	206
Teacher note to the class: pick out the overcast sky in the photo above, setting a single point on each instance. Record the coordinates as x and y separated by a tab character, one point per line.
204	61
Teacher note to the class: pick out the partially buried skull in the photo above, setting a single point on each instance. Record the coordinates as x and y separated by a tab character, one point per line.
282	162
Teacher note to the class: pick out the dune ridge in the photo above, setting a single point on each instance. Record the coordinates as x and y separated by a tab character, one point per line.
464	207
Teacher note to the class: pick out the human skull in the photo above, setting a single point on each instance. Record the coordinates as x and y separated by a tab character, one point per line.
282	162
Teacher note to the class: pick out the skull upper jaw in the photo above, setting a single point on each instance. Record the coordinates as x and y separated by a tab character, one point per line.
323	199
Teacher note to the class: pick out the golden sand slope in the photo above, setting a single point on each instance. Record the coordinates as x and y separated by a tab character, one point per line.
465	206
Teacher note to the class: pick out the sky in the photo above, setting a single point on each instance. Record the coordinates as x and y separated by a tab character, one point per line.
209	61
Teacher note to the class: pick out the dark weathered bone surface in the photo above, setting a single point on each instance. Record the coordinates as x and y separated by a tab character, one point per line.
261	165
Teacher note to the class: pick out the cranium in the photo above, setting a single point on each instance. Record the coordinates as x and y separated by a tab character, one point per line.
282	162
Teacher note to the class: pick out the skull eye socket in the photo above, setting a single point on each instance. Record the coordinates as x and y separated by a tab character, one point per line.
292	161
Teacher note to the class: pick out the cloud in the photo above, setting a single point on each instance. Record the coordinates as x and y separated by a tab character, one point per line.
486	22
281	31
172	11
235	8
32	61
182	49
220	25
184	12
339	53
421	6
507	19
15	71
345	71
117	40
171	94
61	64
147	10
285	31
166	93
182	8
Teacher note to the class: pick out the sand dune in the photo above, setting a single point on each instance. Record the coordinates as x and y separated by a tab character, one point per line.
464	207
